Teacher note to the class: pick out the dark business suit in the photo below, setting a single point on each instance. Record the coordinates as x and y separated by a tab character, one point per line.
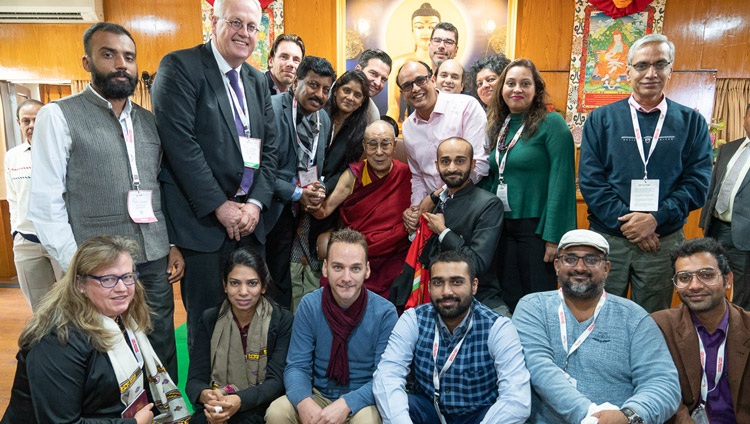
203	164
279	218
682	340
734	236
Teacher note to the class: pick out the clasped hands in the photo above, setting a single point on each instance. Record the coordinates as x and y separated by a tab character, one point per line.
219	407
639	228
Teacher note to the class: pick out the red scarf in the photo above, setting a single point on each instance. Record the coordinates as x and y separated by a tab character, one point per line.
341	322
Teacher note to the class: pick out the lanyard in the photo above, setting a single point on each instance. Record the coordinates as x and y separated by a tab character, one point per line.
719	367
639	137
503	133
451	358
127	132
241	111
564	328
134	345
309	153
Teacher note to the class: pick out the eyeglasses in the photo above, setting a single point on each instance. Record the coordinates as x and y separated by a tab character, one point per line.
659	66
447	41
571	260
109	281
373	145
707	276
419	81
237	25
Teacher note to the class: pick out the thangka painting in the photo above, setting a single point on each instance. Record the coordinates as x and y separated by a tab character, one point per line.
598	68
271	23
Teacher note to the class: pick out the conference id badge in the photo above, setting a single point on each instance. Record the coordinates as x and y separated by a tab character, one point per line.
570	379
308	177
502	193
699	415
644	195
250	152
139	206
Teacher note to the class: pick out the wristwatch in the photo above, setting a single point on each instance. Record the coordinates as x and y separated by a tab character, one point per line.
632	417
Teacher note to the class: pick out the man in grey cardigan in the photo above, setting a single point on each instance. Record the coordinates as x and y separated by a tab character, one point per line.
98	155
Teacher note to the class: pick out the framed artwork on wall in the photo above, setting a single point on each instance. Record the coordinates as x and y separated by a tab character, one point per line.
598	66
402	28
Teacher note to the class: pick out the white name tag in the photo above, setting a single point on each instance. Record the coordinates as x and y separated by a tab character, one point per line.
250	152
139	206
308	177
699	415
502	193
644	195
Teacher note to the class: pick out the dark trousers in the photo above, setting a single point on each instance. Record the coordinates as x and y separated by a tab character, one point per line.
739	261
520	259
278	251
202	287
160	299
422	411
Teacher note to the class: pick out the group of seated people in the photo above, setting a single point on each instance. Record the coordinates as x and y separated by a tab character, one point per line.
301	229
574	355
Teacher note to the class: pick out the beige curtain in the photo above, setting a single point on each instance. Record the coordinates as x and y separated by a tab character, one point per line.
730	102
141	95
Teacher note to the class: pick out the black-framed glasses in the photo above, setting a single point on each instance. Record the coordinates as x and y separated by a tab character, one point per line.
707	276
237	25
590	260
419	81
109	281
447	41
658	65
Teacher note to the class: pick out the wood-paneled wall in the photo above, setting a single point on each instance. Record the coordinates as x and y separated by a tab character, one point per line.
53	51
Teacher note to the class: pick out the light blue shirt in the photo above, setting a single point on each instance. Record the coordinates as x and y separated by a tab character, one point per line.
514	400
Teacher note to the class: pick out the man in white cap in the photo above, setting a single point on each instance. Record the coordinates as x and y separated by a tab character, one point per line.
593	355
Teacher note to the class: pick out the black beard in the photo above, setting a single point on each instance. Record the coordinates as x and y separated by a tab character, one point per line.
111	89
461	307
457	184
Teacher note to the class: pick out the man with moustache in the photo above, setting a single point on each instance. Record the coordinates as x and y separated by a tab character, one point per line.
338	335
590	353
467	219
645	164
214	115
449	77
286	53
707	325
35	268
376	64
96	160
302	131
437	116
482	378
443	43
371	194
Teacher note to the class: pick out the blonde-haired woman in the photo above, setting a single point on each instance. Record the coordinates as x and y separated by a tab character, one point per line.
85	355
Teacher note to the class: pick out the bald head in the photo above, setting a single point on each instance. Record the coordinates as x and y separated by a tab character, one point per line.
456	143
449	77
379	144
455	161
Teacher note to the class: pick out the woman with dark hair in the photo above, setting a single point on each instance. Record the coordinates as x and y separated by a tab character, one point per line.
532	163
347	108
484	77
237	365
84	355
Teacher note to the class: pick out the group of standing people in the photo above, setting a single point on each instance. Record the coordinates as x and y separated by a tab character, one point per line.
236	169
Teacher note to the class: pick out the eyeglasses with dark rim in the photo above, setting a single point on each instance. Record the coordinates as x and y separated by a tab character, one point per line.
109	281
707	276
237	25
571	260
447	41
659	65
420	81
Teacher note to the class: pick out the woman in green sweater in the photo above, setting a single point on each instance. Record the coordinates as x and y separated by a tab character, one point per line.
532	163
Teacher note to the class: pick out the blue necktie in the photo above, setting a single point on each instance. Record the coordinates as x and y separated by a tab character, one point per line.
247	173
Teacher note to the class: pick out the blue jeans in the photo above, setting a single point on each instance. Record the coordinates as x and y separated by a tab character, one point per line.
422	411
